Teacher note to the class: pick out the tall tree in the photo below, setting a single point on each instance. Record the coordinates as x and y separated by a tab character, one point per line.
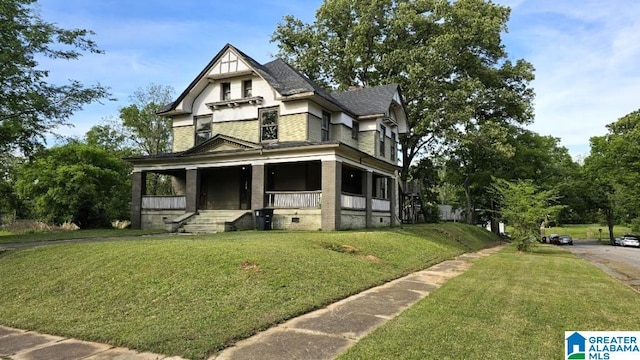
31	107
613	165
144	127
442	54
150	133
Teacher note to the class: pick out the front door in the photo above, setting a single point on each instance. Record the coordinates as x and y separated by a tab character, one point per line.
245	187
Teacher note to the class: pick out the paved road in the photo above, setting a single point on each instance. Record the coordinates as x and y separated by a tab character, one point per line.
621	262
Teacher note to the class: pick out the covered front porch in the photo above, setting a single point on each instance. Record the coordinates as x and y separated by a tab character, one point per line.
305	195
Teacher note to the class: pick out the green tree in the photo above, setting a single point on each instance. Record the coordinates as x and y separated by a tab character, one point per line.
524	206
75	182
612	168
109	137
447	56
9	202
31	107
150	133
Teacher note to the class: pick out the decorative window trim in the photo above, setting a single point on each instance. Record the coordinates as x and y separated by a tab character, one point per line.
271	133
256	100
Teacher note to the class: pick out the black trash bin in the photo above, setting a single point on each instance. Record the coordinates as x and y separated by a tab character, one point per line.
264	218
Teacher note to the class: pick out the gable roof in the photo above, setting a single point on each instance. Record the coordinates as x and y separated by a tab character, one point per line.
288	81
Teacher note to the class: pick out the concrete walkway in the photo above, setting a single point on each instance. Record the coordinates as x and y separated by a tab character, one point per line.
322	334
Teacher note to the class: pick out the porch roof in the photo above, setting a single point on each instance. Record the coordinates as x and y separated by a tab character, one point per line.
260	152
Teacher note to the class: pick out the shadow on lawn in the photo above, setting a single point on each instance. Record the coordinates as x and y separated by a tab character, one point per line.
542	250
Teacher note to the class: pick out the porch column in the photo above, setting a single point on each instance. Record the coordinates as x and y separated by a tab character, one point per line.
193	190
368	193
331	195
257	186
138	187
393	200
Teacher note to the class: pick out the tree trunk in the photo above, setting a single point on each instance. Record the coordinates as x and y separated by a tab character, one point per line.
609	215
495	225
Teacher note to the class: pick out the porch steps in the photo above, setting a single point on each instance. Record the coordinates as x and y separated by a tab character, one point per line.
213	221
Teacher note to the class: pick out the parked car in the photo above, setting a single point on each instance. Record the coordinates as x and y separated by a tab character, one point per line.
553	238
617	241
630	240
564	240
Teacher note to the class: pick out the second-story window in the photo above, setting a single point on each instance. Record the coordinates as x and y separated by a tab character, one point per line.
394	147
225	93
247	89
383	135
355	130
268	124
326	121
203	128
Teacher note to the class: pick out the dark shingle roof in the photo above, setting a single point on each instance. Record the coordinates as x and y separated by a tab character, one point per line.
368	101
289	81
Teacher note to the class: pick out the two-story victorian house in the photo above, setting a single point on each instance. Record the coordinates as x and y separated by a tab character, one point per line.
249	136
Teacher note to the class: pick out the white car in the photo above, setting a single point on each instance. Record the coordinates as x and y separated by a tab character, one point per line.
630	241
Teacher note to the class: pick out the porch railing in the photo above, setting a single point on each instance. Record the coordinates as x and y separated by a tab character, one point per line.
380	205
354	202
293	199
164	202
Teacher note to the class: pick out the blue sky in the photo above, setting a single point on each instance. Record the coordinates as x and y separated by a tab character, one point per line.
586	52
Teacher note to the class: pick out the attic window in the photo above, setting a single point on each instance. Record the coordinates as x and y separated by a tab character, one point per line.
225	89
247	88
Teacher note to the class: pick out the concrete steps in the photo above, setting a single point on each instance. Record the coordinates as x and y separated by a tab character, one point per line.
213	221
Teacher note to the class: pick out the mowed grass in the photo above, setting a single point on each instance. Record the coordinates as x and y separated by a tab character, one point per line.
7	238
194	295
507	306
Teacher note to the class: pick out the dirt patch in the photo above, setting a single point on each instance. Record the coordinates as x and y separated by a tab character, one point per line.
347	249
247	266
372	258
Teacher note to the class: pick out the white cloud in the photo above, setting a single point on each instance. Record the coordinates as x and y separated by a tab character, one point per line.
585	54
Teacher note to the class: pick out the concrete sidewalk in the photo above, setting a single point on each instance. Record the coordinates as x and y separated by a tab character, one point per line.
322	334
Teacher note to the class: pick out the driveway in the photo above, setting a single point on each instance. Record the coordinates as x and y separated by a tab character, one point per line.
620	262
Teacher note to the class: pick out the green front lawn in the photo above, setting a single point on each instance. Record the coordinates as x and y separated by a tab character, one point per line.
194	295
8	238
507	306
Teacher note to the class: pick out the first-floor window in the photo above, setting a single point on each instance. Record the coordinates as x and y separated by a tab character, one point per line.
269	124
203	128
326	121
380	188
